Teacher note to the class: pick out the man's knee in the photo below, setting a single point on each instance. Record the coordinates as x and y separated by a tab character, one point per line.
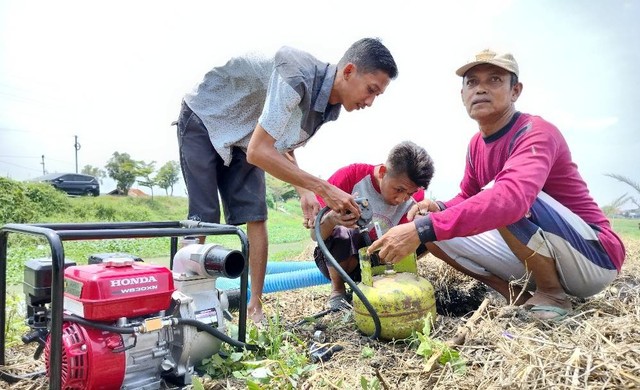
256	225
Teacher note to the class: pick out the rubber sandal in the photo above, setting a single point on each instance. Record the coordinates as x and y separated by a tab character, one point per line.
338	302
561	313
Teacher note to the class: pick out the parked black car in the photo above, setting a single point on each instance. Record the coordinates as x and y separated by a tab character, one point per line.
72	183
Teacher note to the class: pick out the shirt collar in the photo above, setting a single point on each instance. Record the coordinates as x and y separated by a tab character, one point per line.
322	101
495	136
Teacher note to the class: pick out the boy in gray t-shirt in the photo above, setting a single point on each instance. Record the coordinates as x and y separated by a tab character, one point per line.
391	189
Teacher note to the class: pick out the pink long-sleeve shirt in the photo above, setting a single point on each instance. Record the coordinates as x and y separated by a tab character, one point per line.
527	156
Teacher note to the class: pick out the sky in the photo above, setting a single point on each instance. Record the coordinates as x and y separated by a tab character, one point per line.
113	74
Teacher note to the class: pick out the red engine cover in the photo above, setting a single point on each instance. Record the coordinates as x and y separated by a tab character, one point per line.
117	288
88	359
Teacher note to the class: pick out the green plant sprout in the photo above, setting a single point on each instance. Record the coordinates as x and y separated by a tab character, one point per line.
434	350
278	364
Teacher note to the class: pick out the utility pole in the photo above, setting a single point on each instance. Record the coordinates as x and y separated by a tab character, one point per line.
43	170
76	145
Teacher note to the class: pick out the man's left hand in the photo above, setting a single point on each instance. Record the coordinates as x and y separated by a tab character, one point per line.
397	243
310	208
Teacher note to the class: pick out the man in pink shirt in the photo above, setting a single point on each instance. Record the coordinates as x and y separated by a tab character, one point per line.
523	222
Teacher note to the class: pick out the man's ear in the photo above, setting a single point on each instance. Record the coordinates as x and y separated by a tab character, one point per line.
516	91
349	70
382	171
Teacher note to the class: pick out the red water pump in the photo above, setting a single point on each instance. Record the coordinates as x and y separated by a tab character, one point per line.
129	325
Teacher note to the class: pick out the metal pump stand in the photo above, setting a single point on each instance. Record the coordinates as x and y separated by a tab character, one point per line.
57	233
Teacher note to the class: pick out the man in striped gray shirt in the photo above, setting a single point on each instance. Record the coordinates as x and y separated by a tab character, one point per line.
249	115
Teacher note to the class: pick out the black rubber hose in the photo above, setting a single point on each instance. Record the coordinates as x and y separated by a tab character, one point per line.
216	333
11	378
97	325
181	321
345	276
314	316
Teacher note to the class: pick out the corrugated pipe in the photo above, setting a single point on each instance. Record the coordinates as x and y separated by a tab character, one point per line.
281	281
293	280
274	268
278	267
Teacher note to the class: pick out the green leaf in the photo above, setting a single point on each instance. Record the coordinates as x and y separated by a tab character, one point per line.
425	349
253	385
254	363
367	352
426	329
236	356
364	383
239	374
197	383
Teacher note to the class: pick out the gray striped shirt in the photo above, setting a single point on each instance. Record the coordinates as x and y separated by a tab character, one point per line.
288	94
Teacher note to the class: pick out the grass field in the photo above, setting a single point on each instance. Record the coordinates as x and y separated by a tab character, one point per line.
287	237
627	227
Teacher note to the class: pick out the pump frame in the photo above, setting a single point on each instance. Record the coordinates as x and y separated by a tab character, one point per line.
57	233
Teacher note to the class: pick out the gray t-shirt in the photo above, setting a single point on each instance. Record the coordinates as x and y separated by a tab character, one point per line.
287	94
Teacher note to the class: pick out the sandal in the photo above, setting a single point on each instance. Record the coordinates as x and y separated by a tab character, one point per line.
561	313
338	302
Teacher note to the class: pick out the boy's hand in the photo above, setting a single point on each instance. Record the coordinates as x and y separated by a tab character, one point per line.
343	219
422	208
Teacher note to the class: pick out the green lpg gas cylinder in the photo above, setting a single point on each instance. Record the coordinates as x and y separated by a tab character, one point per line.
402	300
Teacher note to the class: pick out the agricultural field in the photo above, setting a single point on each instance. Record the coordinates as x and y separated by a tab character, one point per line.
596	347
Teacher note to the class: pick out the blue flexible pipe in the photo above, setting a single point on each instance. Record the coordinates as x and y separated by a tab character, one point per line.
274	267
293	280
278	267
281	281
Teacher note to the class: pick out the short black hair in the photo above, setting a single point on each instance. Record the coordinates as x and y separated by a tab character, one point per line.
514	79
412	160
370	55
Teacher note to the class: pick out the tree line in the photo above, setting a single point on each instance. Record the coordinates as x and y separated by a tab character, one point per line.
125	171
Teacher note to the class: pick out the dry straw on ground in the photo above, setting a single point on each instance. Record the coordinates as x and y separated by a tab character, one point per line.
596	347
